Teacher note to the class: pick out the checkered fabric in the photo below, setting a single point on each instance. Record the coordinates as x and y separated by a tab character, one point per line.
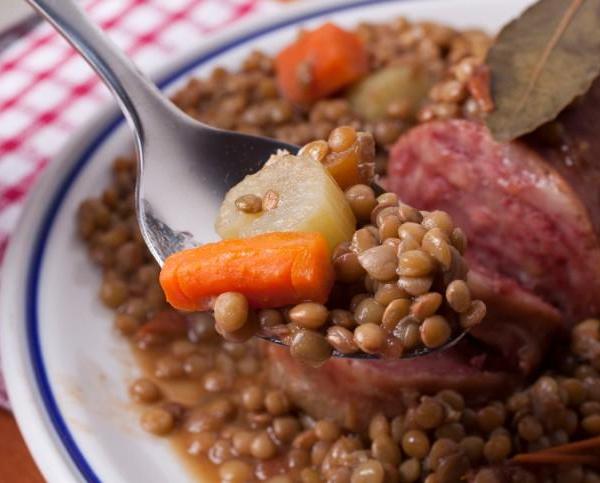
47	91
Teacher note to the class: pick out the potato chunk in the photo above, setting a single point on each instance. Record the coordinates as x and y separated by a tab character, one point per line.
406	84
300	196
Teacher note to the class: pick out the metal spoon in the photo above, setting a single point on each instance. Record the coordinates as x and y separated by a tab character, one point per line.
184	167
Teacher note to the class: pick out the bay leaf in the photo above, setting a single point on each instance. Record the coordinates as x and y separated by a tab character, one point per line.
540	62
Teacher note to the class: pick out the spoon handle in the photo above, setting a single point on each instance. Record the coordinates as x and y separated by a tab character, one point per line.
134	91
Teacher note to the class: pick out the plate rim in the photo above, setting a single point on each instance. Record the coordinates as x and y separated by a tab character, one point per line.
33	403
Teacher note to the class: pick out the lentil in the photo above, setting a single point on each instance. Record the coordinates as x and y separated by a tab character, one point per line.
319	452
410	470
415	263
530	429
415	444
369	337
241	441
459	240
363	239
277	403
408	213
341	138
231	311
453	431
412	230
429	414
362	201
384	449
327	430
379	262
435	331
113	292
378	426
348	268
497	448
157	421
426	305
269	318
370	471
435	243
473	315
343	318
389	227
168	367
369	311
310	347
145	391
415	285
473	448
126	324
440	449
408	333
341	339
491	417
286	428
591	424
235	471
262	447
458	296
388	293
317	150
309	315
395	312
249	203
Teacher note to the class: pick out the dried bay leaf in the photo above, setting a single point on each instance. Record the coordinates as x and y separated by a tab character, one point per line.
540	62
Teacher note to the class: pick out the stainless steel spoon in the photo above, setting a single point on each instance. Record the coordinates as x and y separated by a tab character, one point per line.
185	168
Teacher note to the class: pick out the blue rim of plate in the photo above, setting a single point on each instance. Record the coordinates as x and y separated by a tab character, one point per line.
33	277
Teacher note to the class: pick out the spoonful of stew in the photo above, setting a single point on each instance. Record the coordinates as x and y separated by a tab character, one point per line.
317	256
314	254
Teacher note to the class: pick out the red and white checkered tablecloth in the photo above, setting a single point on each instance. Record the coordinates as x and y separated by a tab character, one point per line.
47	91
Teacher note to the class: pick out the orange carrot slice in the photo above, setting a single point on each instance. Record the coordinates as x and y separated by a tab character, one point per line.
271	270
320	63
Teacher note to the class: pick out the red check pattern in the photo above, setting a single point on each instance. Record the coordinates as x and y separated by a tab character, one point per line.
47	91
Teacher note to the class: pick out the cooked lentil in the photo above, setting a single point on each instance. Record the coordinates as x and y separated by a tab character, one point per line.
369	337
249	203
308	315
145	391
157	420
362	201
231	311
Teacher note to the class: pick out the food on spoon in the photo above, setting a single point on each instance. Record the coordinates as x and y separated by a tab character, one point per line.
319	63
307	200
408	263
405	86
270	270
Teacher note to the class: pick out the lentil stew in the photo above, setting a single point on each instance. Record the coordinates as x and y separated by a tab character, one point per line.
222	402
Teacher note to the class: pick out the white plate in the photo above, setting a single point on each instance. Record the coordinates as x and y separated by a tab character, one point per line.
66	370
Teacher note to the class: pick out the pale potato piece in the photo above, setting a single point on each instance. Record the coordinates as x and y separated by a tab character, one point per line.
407	84
309	200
